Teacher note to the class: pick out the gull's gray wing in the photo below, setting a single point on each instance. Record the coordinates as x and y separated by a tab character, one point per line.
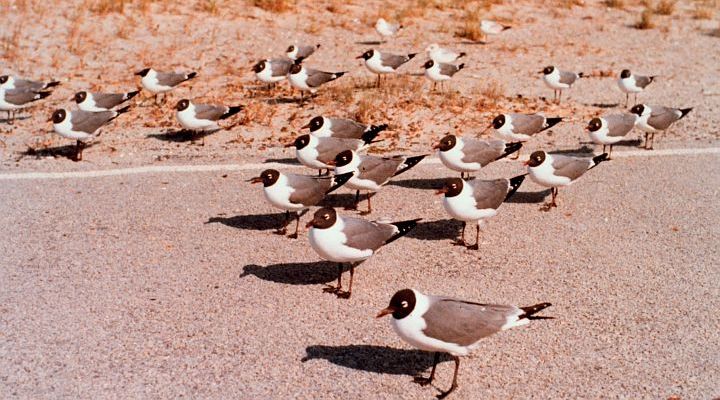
29	85
308	190
449	69
316	78
527	124
463	322
393	60
570	167
489	194
620	124
568	78
280	66
89	121
379	169
21	97
108	100
171	78
329	147
209	112
642	81
662	117
362	234
345	128
481	151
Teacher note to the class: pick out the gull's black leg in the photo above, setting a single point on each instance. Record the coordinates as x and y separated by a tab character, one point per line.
426	381
454	382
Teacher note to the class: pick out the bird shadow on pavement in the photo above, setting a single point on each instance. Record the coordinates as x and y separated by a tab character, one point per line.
288	160
256	222
370	43
312	273
181	135
378	359
67	151
429	184
20	118
528	197
436	230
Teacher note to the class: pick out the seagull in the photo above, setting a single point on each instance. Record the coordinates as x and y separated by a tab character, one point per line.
81	125
630	83
371	172
342	128
492	28
449	325
553	170
272	70
12	100
521	127
203	117
657	118
440	72
351	240
386	29
466	155
308	79
610	129
384	63
293	192
160	82
559	80
442	55
298	53
475	200
318	152
88	101
10	82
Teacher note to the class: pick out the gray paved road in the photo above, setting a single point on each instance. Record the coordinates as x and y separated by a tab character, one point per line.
172	285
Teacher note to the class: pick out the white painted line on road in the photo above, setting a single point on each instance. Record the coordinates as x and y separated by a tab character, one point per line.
157	169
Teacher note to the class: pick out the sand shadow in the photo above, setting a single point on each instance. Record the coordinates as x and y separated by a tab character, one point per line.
67	151
377	359
182	135
528	197
471	42
370	42
584	150
427	184
436	230
288	160
603	105
313	273
257	222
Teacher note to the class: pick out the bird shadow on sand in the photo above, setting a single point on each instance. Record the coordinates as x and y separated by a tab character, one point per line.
19	118
288	160
529	197
479	42
256	222
337	200
67	151
181	135
428	184
436	230
284	100
583	150
313	273
370	42
377	359
603	105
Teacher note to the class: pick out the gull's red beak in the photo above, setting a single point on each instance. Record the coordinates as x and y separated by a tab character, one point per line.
527	162
309	224
359	57
291	144
436	146
331	163
384	312
441	191
306	126
255	180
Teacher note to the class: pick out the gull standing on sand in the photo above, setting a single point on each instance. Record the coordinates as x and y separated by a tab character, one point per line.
442	55
657	119
467	154
342	128
12	100
632	83
298	53
448	325
386	29
490	28
81	125
158	83
89	101
11	82
559	80
440	72
309	79
611	129
384	63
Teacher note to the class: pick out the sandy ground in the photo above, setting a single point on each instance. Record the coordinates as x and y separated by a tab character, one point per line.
173	285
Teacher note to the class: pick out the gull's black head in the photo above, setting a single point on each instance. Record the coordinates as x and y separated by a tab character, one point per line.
301	141
143	72
182	105
80	97
446	143
259	67
638	109
343	158
625	73
429	64
594	125
269	177
59	116
367	55
316	123
548	70
4	79
401	304
498	121
452	187
323	218
536	158
296	68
